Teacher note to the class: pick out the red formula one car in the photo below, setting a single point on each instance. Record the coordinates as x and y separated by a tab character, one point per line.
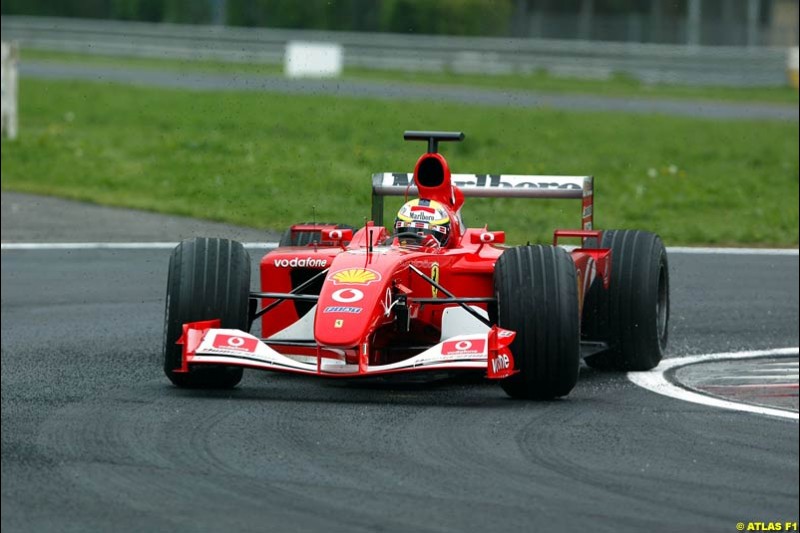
427	294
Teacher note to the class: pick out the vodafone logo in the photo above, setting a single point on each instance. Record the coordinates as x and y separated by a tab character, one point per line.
501	362
301	262
487	237
474	347
347	296
236	343
501	365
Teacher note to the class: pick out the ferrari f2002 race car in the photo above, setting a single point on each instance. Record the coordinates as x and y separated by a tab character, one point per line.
427	294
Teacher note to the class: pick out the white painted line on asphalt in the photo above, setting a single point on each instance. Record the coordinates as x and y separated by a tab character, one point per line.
750	377
656	381
263	245
759	372
732	251
112	245
792	385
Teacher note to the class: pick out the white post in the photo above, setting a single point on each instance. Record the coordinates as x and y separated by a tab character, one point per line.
10	53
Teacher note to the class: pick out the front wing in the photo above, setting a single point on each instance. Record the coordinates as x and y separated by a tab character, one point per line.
205	343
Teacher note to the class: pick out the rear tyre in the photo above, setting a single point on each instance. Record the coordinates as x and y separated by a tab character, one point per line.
307	237
632	316
537	296
208	278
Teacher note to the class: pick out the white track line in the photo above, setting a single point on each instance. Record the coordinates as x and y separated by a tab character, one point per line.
792	385
262	245
769	377
731	251
656	381
112	245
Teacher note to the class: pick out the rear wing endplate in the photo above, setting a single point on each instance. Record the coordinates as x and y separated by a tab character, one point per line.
493	186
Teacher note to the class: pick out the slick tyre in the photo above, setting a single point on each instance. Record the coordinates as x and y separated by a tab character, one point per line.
632	315
208	278
306	238
537	296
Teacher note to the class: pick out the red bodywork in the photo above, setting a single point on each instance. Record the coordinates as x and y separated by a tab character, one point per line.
372	316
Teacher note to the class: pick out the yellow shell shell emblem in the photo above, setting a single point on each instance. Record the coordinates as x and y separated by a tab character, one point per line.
355	276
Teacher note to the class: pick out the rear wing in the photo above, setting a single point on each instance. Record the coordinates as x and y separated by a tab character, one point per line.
493	186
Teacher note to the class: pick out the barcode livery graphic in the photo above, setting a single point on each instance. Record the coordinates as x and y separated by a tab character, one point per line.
494	181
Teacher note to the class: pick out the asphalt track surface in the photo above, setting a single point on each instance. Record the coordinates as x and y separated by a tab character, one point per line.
404	91
95	439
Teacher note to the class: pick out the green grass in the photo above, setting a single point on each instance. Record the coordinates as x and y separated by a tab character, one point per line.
264	160
618	85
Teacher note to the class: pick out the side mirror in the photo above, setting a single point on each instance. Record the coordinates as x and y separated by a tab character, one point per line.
488	237
337	236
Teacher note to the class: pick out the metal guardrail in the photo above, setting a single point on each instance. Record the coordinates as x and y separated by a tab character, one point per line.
650	63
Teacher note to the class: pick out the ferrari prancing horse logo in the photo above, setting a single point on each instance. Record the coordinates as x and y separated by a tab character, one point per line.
435	277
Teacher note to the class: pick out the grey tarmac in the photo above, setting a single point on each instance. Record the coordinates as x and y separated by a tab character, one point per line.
95	439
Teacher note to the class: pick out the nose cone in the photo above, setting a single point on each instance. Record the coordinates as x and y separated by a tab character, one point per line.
351	303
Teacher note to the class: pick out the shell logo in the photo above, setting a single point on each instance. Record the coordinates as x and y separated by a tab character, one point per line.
355	276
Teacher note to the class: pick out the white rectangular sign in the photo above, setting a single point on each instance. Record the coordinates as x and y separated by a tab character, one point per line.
313	59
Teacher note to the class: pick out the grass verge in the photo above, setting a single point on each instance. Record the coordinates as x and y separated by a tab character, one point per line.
621	86
264	160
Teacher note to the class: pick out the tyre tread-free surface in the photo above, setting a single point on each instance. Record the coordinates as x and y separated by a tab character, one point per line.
632	315
208	279
536	290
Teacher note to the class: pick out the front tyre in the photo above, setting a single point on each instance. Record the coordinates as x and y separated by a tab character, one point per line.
208	279
537	296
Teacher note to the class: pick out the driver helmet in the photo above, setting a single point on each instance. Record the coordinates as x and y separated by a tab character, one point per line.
424	217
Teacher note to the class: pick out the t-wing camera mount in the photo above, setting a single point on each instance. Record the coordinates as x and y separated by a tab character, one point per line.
433	138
